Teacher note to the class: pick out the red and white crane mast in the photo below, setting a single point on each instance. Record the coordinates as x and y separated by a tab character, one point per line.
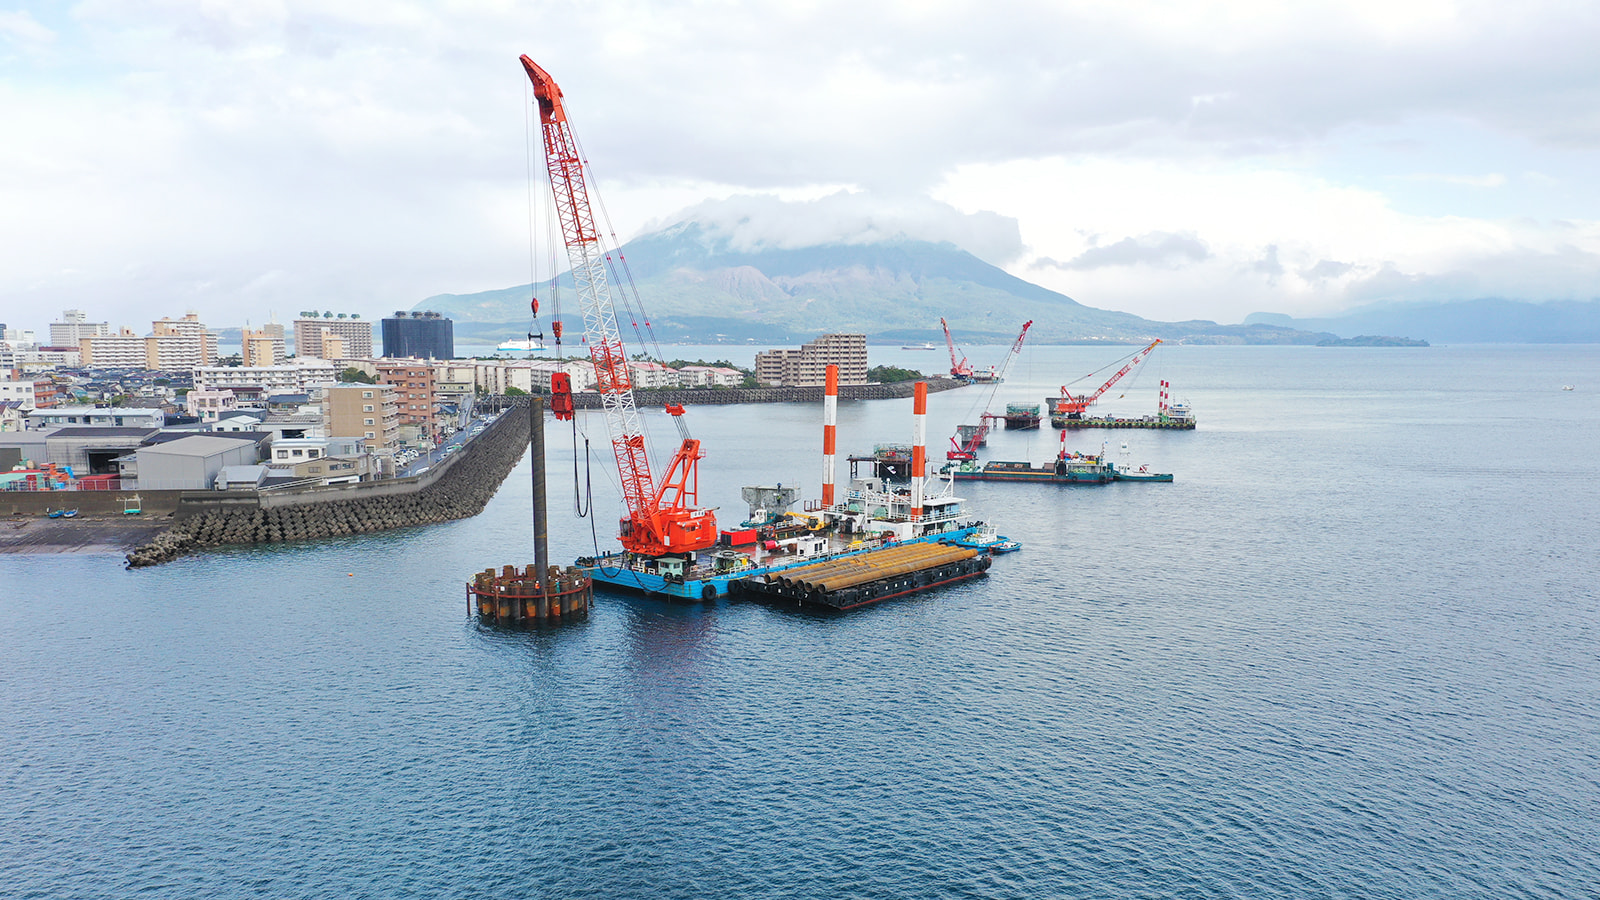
969	449
961	369
660	520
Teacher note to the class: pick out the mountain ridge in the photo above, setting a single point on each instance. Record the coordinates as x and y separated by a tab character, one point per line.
1483	320
893	290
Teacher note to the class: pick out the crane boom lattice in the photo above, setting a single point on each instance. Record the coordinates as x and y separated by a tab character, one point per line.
650	528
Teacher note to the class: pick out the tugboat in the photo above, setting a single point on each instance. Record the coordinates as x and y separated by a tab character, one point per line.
988	539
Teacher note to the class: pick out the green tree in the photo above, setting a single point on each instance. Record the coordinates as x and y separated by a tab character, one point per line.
353	374
516	392
892	374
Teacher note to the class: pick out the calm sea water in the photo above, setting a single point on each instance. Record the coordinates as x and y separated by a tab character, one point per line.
1354	651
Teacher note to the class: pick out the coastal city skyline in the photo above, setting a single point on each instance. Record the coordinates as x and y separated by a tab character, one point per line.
1203	161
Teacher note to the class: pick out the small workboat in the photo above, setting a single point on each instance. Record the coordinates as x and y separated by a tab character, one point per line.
989	540
1142	473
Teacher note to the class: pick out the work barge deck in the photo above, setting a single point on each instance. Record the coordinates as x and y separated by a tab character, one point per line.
1113	422
890	533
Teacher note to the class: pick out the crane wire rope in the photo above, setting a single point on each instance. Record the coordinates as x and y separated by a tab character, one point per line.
1105	367
622	281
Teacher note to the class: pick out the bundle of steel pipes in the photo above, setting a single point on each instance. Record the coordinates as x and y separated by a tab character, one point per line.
850	571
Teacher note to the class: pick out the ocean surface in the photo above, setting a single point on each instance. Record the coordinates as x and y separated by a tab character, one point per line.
1353	651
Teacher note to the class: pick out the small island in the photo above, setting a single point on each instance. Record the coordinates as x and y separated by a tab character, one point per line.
1371	340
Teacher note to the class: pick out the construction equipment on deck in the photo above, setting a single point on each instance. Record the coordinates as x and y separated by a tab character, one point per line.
962	369
968	438
1073	406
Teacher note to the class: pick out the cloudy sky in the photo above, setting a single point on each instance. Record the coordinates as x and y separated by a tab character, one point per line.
1175	160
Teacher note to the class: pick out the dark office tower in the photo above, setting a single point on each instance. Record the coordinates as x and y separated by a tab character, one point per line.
424	335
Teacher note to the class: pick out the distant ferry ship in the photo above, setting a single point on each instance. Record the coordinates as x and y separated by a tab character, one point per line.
919	347
520	346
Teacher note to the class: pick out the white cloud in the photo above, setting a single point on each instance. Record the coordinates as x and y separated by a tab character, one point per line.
366	153
753	221
21	26
1491	180
1273	239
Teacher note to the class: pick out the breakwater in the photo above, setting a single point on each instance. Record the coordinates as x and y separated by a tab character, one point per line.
460	486
697	396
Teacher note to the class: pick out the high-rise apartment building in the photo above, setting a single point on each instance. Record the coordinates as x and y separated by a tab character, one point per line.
414	387
172	344
74	327
181	344
262	348
119	350
333	345
807	366
365	411
355	332
422	335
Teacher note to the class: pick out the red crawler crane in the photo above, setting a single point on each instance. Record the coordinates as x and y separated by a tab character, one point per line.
1073	406
976	434
662	519
962	369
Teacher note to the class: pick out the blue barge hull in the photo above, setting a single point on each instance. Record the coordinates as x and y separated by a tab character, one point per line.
612	570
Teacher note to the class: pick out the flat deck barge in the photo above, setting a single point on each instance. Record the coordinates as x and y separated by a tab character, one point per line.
1171	417
1069	469
1109	422
866	578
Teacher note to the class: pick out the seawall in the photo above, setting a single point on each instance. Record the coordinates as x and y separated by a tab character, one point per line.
458	487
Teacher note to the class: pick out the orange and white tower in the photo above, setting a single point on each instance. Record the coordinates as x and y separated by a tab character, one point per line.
919	452
830	423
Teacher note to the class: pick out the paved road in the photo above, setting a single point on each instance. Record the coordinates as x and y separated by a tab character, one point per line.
454	444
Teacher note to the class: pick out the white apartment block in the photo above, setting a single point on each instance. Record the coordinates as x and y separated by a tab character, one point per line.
710	376
43	359
807	366
299	376
74	327
645	374
115	350
172	344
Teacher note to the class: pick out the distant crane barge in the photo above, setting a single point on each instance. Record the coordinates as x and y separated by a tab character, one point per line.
968	438
1069	410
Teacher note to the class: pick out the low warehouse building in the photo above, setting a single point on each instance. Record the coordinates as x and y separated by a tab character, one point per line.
191	463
